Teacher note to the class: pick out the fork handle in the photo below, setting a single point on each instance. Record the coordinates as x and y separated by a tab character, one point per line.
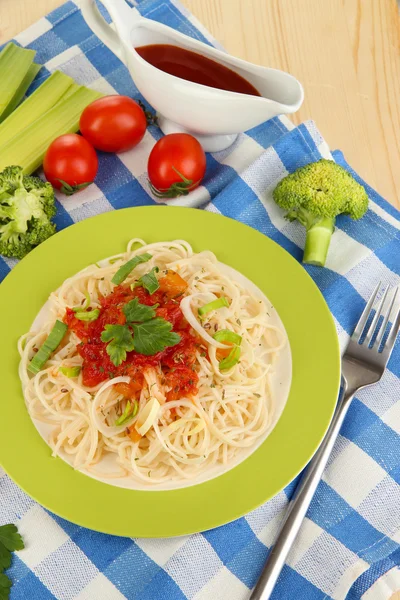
299	505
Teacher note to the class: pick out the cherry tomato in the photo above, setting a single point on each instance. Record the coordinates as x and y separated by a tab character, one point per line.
176	165
70	163
113	123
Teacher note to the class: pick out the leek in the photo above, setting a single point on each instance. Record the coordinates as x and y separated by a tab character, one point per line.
214	305
20	93
231	360
226	335
128	267
90	316
84	306
29	146
128	414
149	281
51	343
15	63
42	100
70	372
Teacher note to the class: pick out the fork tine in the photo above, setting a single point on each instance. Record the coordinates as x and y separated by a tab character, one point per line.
386	319
371	330
364	317
393	331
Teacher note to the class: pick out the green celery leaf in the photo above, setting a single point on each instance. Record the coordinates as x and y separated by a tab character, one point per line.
154	336
120	342
134	311
10	537
5	585
5	557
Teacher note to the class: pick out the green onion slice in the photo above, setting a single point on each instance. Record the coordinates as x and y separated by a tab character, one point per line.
214	305
226	335
128	414
128	267
83	306
92	315
52	342
149	281
231	360
70	371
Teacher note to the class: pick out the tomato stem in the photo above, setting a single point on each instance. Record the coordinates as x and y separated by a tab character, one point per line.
69	190
179	188
151	118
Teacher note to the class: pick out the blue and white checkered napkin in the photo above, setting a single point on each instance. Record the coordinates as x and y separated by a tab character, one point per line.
348	546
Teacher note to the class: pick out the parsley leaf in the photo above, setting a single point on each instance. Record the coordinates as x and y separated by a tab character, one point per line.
10	537
154	336
5	557
120	342
134	311
149	281
5	585
10	540
128	267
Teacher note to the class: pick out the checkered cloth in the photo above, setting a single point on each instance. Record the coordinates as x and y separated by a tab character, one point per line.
348	546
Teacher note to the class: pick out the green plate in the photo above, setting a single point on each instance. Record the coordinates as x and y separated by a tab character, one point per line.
316	375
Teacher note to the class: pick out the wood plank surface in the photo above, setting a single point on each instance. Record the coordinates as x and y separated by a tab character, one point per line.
345	52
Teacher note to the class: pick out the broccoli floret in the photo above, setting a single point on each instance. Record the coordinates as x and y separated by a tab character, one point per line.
26	207
315	195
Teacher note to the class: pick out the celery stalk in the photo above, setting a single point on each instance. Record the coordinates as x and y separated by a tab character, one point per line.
20	93
14	65
71	90
38	103
28	147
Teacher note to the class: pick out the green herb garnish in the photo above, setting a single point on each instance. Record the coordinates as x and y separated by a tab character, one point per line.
10	540
134	311
154	336
128	267
143	332
120	342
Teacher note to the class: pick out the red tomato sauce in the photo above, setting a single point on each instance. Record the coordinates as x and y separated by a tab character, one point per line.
191	66
177	362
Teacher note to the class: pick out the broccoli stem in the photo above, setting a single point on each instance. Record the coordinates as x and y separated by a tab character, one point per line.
318	238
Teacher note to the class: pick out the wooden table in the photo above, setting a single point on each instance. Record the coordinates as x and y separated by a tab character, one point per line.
345	52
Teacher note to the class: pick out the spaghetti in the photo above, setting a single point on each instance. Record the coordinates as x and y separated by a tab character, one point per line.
168	416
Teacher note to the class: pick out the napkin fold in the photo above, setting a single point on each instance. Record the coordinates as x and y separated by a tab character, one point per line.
348	546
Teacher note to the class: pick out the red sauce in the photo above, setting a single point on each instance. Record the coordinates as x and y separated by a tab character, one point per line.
177	362
194	67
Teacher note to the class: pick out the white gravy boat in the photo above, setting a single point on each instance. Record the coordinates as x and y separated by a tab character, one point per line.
215	117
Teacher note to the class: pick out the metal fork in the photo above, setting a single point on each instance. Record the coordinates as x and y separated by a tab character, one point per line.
363	364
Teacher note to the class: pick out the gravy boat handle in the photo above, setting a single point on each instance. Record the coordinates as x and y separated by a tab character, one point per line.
122	16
